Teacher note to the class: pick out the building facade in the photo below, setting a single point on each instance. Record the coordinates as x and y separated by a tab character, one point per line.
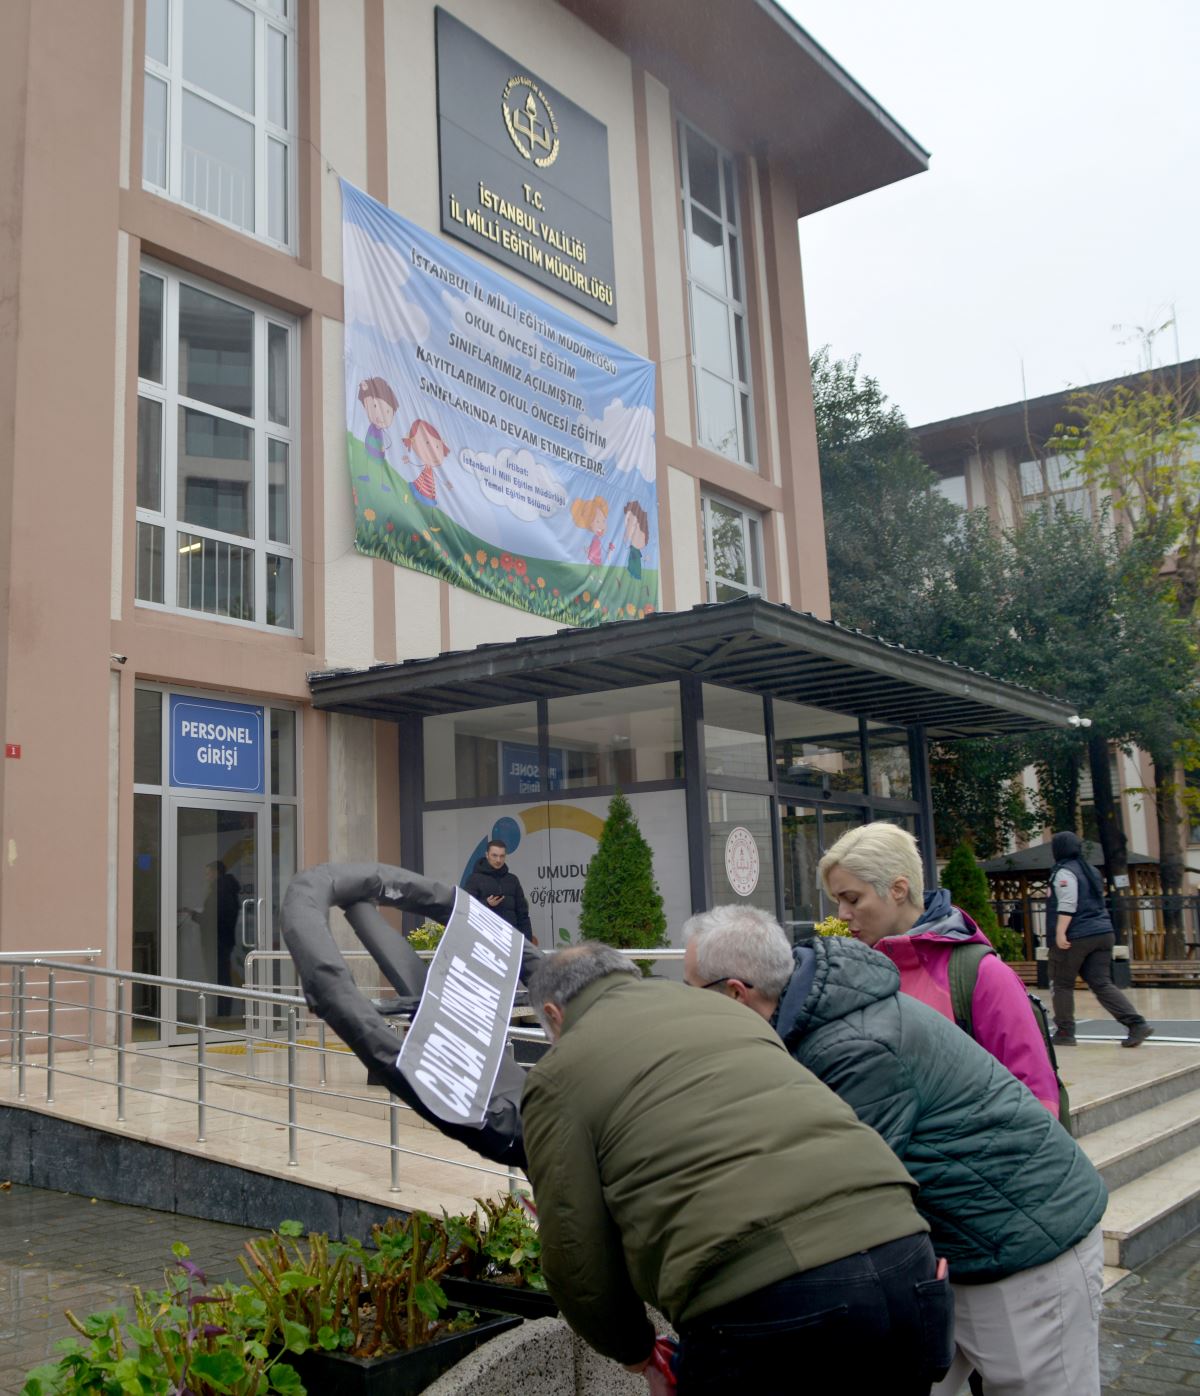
174	309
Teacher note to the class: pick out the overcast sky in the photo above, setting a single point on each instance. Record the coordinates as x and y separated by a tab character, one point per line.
1062	198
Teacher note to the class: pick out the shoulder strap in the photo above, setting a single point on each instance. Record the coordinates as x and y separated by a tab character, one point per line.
964	971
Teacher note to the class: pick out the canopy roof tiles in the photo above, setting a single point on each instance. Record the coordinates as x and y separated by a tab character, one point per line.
751	644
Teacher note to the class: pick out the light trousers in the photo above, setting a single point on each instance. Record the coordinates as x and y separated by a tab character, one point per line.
1036	1333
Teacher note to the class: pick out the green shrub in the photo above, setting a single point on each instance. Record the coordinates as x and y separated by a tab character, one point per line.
967	884
621	904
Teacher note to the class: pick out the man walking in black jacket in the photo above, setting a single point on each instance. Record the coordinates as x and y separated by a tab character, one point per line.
492	884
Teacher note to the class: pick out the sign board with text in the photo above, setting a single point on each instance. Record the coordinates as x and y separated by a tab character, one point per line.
216	746
524	171
452	1053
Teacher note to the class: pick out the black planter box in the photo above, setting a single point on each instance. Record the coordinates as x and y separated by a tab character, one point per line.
509	1299
399	1373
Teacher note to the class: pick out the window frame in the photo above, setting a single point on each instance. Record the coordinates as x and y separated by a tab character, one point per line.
1047	494
752	523
263	431
736	307
265	130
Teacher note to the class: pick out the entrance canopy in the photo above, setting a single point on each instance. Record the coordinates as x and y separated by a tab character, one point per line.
754	645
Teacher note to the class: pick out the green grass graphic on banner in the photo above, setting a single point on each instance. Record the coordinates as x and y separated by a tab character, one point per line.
391	522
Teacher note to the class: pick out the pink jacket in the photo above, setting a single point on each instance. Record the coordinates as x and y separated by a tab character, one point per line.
1003	1020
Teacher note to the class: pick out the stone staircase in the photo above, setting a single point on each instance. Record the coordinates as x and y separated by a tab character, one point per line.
1144	1138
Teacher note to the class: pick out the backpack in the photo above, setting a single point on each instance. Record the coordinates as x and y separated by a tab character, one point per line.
964	972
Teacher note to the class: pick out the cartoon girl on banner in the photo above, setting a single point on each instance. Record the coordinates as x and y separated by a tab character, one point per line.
425	442
592	514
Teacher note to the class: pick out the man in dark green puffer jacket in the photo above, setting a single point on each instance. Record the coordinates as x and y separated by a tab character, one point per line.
1012	1202
680	1158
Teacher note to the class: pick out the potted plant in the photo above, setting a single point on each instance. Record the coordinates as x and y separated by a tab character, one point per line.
499	1264
183	1338
357	1322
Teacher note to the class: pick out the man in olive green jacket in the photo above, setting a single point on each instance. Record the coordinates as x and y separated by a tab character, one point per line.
680	1158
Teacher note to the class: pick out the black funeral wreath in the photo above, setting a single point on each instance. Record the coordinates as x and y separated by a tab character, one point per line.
332	994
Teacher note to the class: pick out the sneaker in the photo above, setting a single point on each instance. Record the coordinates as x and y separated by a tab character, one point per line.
1138	1033
1063	1039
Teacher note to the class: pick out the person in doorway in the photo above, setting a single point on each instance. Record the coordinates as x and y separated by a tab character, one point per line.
221	907
874	875
493	884
1081	939
679	1159
1013	1204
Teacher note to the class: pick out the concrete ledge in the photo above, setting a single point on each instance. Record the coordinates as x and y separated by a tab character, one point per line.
46	1151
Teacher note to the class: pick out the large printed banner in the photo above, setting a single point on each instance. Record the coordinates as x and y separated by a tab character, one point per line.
493	441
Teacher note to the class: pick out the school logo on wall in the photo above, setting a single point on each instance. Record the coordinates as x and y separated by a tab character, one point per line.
530	121
742	864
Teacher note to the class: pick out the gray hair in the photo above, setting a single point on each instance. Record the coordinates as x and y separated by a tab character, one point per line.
566	973
878	853
741	942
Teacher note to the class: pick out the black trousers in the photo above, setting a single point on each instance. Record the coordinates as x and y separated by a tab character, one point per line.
874	1321
1090	957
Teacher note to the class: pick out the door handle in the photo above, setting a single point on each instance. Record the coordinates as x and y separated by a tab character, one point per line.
249	901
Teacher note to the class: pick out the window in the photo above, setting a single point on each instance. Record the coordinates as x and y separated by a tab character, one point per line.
1054	478
732	550
717	297
219	114
953	488
216	490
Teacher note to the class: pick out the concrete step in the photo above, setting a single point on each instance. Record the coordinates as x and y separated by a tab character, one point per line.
1113	1106
1152	1212
1144	1141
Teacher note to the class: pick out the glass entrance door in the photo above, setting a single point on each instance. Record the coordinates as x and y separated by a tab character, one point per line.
806	833
218	906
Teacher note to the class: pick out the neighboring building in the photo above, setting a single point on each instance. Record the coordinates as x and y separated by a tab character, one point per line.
179	388
999	459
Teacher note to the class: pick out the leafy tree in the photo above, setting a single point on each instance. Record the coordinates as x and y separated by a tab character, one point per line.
1141	445
621	904
885	525
967	884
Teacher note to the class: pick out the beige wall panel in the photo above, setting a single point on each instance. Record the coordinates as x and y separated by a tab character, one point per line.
353	810
120	369
1137	809
474	620
418	615
776	522
128	68
343	118
349	593
685	539
568	55
675	345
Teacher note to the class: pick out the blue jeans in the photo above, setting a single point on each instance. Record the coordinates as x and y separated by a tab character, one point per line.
875	1321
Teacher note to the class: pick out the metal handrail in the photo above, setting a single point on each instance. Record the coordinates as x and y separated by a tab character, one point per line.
24	998
23	956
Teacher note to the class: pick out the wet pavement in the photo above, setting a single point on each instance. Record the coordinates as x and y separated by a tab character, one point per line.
61	1252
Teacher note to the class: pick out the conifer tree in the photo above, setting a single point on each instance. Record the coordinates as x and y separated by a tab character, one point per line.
621	904
967	884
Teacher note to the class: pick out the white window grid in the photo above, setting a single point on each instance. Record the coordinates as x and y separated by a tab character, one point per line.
263	430
266	19
751	539
1054	478
743	448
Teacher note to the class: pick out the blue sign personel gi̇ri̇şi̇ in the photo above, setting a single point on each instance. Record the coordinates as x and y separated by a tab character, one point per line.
216	746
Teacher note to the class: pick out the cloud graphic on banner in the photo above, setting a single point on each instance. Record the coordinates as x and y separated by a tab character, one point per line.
628	434
469	320
374	274
518	482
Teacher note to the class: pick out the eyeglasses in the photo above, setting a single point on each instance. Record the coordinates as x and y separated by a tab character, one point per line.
725	978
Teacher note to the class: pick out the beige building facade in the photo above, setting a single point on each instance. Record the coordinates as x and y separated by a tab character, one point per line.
176	525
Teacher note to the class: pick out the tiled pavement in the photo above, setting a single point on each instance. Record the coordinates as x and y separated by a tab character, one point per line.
1151	1330
61	1252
